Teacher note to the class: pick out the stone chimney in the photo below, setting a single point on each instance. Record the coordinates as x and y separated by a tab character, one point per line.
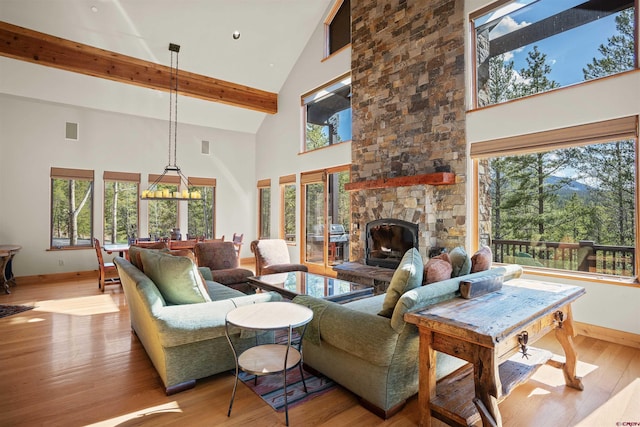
408	107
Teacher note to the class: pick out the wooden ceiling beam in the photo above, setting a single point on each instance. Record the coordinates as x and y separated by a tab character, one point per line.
39	48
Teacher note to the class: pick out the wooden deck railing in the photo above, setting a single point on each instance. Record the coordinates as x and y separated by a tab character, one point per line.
582	256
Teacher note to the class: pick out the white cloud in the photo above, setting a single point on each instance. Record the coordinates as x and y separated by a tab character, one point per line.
506	25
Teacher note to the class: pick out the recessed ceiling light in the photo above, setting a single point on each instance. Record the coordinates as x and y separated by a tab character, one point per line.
236	35
94	9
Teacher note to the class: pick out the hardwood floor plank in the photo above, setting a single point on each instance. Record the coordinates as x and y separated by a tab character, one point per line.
73	361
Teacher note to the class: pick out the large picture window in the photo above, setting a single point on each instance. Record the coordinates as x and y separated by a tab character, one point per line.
121	192
327	113
71	208
562	199
202	212
532	46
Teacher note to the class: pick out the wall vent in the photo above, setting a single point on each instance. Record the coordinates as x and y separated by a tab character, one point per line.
205	147
71	131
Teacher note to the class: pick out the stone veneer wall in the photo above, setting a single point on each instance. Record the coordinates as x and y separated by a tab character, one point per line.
408	107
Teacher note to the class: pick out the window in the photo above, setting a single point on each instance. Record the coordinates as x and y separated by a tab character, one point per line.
327	113
201	212
562	199
163	214
288	208
121	192
264	213
533	46
338	27
71	208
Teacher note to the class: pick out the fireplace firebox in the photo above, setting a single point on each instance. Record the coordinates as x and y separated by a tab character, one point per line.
387	241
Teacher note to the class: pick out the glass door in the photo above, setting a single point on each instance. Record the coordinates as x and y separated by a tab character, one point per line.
326	219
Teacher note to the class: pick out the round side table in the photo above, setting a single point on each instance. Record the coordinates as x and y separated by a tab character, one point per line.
265	359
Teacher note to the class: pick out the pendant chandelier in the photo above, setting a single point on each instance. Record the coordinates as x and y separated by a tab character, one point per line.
154	192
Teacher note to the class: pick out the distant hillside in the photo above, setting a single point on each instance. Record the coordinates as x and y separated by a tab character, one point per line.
572	187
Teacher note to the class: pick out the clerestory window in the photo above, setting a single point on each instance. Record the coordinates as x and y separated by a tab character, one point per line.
531	46
338	27
327	114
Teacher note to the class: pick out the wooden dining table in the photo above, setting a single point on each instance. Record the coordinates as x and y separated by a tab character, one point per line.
121	248
7	252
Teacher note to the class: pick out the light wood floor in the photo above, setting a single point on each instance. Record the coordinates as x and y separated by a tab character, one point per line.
73	361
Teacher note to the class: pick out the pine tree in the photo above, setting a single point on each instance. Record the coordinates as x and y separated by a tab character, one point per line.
617	55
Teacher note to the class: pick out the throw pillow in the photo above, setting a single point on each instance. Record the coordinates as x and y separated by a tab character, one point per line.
481	260
407	276
176	277
443	256
460	261
436	270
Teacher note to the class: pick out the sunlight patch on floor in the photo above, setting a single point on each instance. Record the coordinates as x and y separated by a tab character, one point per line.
80	306
146	415
554	377
621	409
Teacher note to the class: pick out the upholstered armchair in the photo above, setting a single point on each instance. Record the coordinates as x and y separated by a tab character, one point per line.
222	260
272	256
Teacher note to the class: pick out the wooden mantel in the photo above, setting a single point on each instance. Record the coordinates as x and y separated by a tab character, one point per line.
437	178
39	48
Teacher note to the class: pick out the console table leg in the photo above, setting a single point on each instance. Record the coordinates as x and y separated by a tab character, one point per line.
564	335
427	379
488	387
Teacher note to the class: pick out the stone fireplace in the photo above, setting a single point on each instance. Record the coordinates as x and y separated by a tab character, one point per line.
408	110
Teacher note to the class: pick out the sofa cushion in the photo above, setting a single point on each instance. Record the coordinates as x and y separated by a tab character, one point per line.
436	269
460	262
183	252
176	277
407	276
481	260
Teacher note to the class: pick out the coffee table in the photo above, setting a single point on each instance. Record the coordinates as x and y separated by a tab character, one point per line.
296	283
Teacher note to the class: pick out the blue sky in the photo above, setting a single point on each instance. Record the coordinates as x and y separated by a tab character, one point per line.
567	52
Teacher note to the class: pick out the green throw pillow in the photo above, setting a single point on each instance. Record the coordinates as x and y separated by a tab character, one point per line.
460	261
407	276
176	277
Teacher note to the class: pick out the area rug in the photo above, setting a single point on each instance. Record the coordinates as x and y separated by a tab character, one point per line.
8	310
270	387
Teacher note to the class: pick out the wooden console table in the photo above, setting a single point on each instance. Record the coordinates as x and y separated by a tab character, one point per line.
491	332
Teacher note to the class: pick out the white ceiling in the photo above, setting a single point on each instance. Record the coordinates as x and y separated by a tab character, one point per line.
273	34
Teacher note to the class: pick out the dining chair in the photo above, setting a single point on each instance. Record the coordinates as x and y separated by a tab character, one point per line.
237	243
107	271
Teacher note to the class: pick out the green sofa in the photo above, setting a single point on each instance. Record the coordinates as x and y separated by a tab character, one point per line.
185	342
376	357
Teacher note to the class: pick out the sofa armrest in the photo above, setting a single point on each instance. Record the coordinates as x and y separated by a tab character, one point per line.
283	268
186	323
364	335
206	273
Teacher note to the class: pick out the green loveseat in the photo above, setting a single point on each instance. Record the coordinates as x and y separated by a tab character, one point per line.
185	342
376	357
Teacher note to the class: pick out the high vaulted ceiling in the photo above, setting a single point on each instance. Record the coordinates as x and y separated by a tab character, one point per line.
273	34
